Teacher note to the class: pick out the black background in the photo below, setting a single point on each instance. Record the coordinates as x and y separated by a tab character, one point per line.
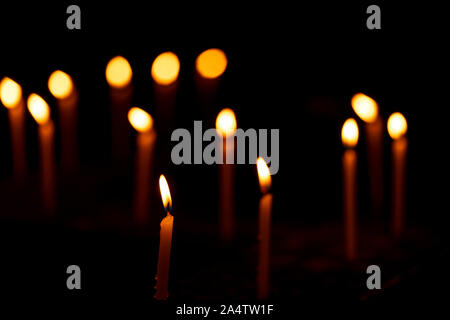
292	67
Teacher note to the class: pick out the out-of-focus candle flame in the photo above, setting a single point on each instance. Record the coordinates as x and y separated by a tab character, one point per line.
118	72
38	108
350	133
10	92
265	180
211	63
60	84
140	120
165	193
226	122
397	125
165	68
365	107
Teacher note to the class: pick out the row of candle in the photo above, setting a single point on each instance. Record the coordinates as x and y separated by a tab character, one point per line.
210	64
367	110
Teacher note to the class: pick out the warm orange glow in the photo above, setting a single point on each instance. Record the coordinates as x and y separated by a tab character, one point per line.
365	107
211	63
350	133
265	180
226	122
165	193
165	68
38	108
60	84
118	72
397	125
140	120
10	92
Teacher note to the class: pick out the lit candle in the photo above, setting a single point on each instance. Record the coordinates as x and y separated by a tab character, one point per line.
350	136
40	111
164	71
367	109
119	75
226	127
265	215
62	88
397	128
145	140
165	243
11	97
209	66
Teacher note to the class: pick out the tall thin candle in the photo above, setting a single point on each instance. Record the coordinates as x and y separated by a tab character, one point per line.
265	216
397	128
165	243
350	136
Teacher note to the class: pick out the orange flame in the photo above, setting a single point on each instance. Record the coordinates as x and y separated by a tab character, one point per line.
226	122
118	72
165	193
211	63
397	125
265	180
140	120
365	107
10	92
60	84
165	68
350	133
38	108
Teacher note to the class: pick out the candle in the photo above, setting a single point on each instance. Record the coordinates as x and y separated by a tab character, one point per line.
265	213
350	136
40	111
209	66
165	243
11	97
397	128
145	140
62	88
367	109
119	75
226	127
164	72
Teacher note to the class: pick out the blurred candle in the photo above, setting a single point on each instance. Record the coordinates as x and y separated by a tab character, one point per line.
145	140
209	66
397	128
11	97
367	109
350	136
40	111
265	216
226	127
164	71
165	243
62	88
119	75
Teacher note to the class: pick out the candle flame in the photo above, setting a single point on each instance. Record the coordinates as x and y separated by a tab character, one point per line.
165	193
350	133
118	72
365	107
226	122
211	63
165	68
397	125
10	92
60	84
38	108
265	180
140	120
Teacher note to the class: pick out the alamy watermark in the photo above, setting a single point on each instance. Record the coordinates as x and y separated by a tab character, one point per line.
255	141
